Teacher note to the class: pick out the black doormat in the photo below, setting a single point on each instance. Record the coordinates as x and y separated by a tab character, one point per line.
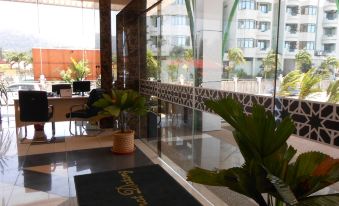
141	186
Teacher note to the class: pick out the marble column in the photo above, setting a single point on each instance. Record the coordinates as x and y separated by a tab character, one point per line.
105	44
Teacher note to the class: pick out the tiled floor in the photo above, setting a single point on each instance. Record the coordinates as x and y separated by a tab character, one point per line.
42	174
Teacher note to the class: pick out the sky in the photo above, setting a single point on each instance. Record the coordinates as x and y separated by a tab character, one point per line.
49	25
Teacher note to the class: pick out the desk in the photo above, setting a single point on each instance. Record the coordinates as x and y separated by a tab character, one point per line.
61	105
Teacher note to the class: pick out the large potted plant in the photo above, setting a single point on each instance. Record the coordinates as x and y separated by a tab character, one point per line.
270	175
122	105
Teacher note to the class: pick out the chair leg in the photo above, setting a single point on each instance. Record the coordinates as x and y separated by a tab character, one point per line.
25	132
53	128
25	136
70	126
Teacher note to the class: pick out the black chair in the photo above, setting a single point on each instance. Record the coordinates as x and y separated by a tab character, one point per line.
85	112
34	108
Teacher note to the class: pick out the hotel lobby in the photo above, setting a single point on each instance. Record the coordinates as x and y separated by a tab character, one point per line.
178	54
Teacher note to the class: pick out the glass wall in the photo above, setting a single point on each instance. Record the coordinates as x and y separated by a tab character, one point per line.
282	54
238	46
40	43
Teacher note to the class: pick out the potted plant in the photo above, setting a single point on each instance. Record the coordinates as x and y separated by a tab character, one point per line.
269	175
122	104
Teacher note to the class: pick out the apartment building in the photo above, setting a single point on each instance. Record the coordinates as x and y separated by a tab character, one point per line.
176	33
309	25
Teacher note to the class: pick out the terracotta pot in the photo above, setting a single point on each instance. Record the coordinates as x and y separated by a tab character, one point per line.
123	143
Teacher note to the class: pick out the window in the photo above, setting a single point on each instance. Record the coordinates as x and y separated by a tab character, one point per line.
264	26
329	48
291	28
306	45
246	24
292	10
245	43
262	44
332	31
309	10
179	20
181	41
310	28
331	15
263	8
179	2
247	4
290	46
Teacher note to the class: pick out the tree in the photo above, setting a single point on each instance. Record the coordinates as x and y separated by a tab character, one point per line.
66	75
17	58
329	65
308	83
172	72
78	71
235	57
303	61
152	65
290	83
269	63
333	92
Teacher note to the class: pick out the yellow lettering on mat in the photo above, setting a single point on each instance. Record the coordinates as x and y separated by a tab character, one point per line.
130	189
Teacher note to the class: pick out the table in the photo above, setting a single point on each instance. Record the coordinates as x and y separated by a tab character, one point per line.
61	105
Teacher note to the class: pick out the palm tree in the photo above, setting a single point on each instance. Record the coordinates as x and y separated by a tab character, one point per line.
329	65
290	83
235	57
333	92
303	61
152	65
308	83
269	63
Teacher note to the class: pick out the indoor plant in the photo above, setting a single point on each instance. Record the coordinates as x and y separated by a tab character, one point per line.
269	176
122	104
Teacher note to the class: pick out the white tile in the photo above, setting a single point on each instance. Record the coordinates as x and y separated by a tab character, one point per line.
22	196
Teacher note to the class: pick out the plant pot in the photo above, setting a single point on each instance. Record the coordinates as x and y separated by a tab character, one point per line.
123	143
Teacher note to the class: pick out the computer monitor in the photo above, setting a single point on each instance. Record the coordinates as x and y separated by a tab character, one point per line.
56	87
81	86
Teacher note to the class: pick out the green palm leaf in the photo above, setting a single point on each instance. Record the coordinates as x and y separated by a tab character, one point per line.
290	82
228	27
333	92
309	81
320	200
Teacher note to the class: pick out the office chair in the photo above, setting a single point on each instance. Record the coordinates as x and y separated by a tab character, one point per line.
34	108
87	111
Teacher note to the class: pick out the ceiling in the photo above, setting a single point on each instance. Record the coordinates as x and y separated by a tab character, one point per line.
117	5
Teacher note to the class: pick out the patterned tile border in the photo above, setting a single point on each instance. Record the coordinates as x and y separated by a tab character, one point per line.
314	120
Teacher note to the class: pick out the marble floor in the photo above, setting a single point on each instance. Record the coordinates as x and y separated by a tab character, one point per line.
184	148
42	174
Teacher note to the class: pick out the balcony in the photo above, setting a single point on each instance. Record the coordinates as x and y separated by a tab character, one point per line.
265	16
250	52
329	39
308	19
248	12
330	6
264	34
291	35
307	36
330	22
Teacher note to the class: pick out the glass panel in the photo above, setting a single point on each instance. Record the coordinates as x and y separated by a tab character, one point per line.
150	124
176	134
176	48
154	43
